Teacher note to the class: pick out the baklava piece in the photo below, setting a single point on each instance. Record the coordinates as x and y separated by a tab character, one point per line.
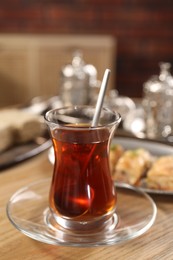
27	126
116	152
5	136
19	127
132	166
160	176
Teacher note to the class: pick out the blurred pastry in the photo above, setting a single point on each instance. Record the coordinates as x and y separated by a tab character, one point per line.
116	152
19	127
6	136
27	126
132	166
160	175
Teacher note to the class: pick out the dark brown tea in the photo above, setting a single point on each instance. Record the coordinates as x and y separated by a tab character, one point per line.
81	186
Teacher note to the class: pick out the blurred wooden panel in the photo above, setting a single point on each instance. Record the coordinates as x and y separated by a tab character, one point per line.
13	76
54	53
30	64
142	28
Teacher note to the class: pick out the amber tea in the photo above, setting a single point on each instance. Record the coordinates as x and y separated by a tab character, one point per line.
81	187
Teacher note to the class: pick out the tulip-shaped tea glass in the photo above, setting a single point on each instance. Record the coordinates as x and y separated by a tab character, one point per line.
82	194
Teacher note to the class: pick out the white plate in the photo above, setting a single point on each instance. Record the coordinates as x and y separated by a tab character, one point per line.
155	148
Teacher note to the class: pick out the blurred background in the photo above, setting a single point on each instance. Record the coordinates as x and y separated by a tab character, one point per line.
135	37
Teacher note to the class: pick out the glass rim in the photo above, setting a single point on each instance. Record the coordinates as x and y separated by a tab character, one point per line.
76	126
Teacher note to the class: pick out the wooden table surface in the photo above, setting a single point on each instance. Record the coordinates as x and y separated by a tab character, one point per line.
156	243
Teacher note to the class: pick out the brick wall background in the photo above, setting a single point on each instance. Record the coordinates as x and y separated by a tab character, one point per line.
144	30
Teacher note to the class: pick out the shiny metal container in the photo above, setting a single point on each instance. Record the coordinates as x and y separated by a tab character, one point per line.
76	81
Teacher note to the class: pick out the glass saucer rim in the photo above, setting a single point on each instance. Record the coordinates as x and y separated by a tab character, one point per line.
49	240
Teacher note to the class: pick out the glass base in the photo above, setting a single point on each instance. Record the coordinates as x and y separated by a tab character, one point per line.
96	225
28	211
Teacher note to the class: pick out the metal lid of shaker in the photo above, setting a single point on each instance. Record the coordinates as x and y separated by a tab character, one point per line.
92	72
75	69
165	75
159	82
153	85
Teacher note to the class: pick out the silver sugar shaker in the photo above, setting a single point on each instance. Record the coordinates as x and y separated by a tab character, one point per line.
158	103
76	80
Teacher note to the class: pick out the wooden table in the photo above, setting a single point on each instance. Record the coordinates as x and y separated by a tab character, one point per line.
156	243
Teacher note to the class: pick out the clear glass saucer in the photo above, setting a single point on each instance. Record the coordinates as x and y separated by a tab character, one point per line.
28	211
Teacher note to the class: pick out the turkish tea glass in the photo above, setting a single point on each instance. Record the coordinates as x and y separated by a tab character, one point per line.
82	194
